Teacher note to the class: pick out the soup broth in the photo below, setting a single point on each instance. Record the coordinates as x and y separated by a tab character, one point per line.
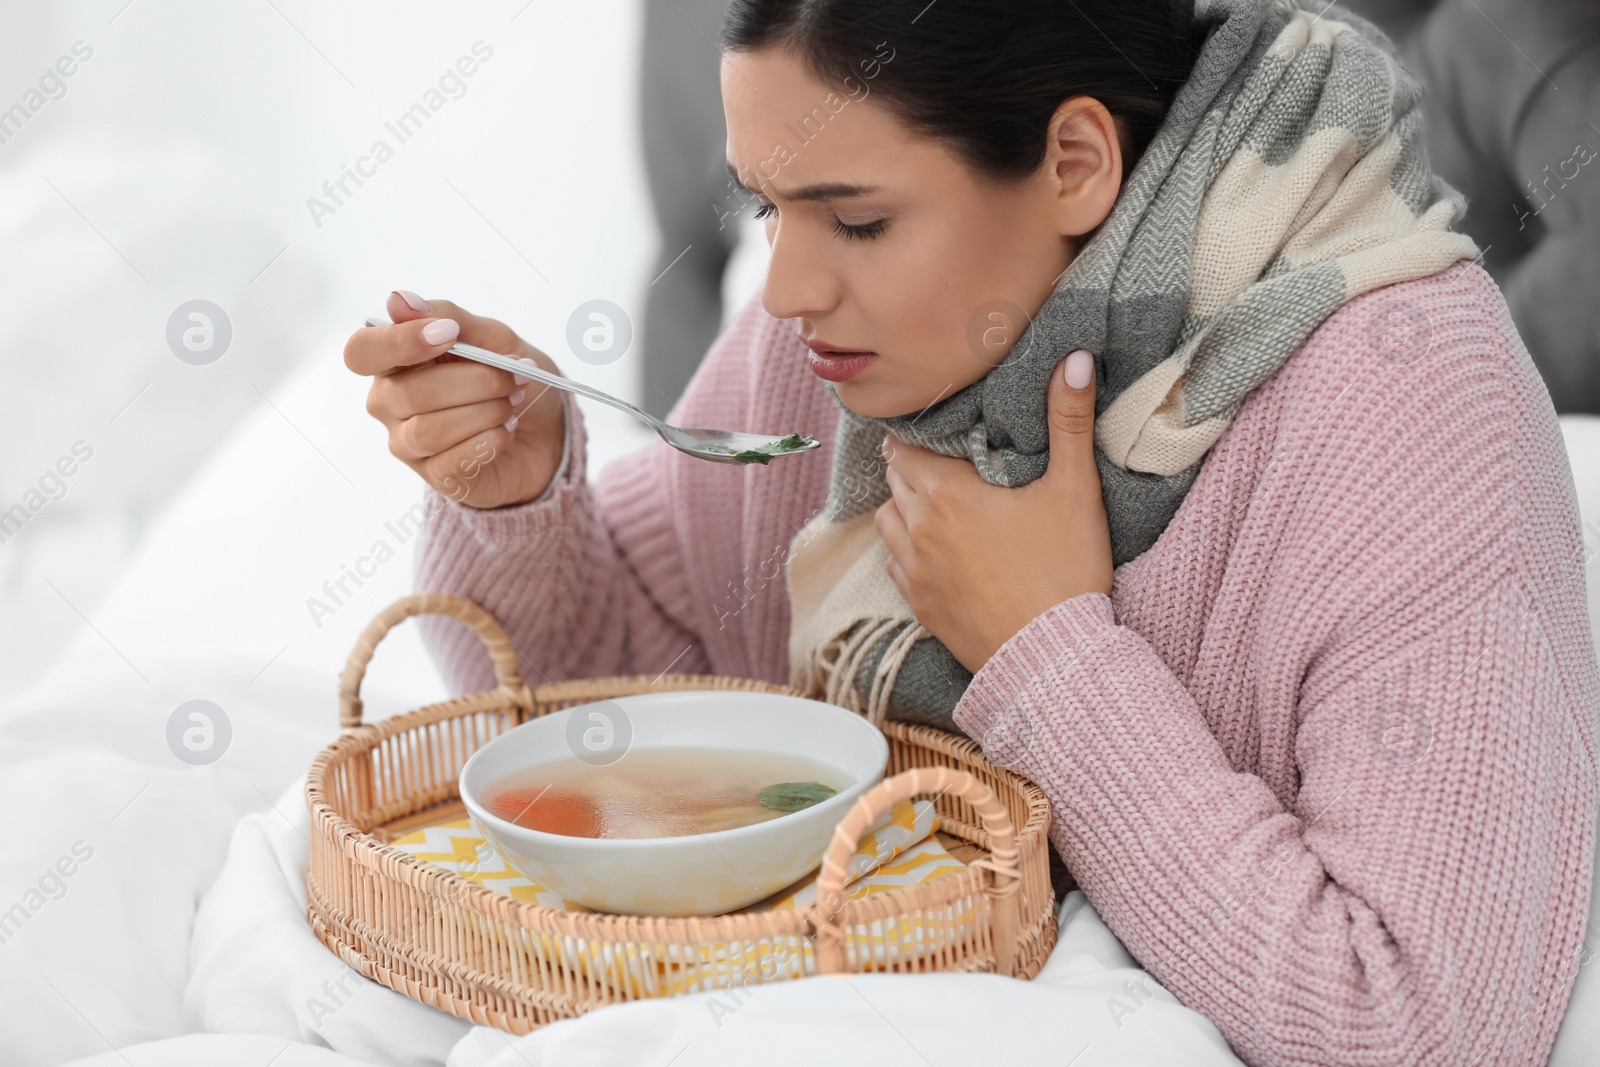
662	792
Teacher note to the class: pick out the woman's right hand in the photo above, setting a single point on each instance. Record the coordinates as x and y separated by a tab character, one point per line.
482	437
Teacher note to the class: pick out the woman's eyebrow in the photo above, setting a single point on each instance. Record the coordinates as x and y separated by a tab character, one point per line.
821	191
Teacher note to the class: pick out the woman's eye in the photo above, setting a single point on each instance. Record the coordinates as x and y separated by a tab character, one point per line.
843	229
871	229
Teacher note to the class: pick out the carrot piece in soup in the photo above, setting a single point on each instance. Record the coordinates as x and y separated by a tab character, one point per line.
549	811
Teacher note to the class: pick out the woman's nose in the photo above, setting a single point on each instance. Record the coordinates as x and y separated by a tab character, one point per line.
800	281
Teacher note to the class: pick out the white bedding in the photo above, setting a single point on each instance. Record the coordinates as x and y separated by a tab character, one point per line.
180	938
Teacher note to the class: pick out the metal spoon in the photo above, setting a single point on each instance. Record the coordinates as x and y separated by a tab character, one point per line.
719	446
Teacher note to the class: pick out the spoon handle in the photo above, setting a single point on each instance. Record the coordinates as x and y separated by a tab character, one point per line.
555	381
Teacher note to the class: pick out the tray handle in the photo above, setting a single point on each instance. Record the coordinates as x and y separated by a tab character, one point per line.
1003	862
499	646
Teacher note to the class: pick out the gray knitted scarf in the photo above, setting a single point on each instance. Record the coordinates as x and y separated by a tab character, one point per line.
1288	177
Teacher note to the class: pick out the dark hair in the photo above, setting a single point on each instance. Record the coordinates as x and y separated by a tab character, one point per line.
985	76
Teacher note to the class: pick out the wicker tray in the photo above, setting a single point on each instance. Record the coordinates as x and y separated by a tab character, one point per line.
443	940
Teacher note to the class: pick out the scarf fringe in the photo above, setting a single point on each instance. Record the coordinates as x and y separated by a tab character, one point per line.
829	672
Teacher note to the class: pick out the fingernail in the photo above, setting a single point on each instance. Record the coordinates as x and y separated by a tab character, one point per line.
441	331
511	424
1077	370
518	397
413	301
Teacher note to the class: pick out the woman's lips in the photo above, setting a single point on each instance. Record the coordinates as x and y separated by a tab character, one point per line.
838	366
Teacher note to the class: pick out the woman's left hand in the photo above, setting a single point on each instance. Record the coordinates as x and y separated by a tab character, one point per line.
978	562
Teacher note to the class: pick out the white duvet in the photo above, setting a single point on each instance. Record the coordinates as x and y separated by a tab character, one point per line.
153	912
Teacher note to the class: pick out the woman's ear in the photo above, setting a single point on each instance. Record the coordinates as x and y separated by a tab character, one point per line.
1083	156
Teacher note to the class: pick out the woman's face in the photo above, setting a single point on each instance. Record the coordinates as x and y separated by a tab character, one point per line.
885	242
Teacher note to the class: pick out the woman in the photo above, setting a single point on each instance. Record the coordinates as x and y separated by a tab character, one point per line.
1273	583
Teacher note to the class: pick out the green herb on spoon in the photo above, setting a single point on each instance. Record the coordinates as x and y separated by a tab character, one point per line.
764	453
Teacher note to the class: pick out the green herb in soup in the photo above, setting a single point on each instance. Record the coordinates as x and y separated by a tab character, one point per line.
792	796
662	792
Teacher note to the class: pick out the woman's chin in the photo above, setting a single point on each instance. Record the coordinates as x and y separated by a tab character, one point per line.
873	401
880	400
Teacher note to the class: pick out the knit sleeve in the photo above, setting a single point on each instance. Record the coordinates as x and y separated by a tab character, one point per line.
1418	895
552	575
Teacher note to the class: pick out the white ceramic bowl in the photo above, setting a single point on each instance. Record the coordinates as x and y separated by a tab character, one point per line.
701	874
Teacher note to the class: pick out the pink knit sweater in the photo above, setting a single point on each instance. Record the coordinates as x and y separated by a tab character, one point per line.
1324	760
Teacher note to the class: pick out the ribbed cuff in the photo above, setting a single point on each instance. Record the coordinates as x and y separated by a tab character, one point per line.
566	452
997	708
517	522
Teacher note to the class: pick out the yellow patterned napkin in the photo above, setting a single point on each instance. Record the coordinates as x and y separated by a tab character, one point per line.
900	850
